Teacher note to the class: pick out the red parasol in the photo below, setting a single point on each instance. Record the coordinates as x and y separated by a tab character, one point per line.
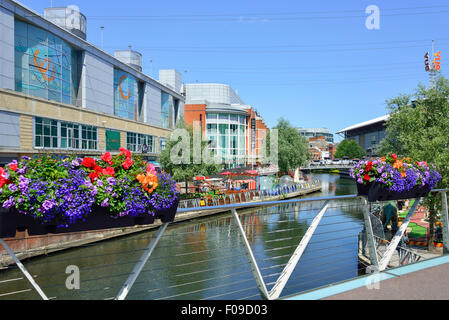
252	172
199	178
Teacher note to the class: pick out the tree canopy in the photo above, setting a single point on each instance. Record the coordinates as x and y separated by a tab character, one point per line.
293	148
349	148
418	128
190	169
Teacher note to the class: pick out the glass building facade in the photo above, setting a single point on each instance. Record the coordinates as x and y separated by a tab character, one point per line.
226	133
167	108
126	95
45	65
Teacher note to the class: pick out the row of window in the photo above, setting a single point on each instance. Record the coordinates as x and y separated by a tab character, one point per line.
64	135
56	134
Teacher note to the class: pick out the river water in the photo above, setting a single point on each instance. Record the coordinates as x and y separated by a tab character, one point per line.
204	258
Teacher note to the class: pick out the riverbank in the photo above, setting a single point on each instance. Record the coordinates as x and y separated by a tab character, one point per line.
26	246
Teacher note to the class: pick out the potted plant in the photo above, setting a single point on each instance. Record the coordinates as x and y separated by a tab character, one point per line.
394	178
47	195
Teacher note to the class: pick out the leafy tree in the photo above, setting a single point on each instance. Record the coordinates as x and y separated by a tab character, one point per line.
349	148
418	127
186	171
293	148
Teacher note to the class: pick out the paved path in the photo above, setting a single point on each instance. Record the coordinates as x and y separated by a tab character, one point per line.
427	280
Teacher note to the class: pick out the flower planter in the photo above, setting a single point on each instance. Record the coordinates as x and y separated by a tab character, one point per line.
99	219
168	215
376	192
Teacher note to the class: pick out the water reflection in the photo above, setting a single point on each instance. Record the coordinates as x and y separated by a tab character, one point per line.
205	259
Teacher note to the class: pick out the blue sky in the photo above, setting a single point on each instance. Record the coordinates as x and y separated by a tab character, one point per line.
313	63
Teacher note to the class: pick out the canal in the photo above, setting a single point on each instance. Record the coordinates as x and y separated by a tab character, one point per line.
204	258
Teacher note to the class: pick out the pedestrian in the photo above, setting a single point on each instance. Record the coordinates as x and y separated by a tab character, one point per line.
390	214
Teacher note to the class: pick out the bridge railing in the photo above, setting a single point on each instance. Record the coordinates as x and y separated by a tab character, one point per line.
276	249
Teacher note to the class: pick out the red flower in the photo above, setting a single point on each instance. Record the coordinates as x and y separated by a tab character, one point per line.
98	169
368	166
125	151
107	158
109	171
394	156
13	166
366	177
128	163
88	163
93	176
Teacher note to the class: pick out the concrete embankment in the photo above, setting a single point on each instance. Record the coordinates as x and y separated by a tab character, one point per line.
26	246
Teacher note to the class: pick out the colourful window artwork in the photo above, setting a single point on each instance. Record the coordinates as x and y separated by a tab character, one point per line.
45	65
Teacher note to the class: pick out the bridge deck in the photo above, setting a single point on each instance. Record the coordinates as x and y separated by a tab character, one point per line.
426	280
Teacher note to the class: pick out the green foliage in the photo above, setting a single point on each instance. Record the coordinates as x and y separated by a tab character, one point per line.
293	148
418	127
185	172
349	148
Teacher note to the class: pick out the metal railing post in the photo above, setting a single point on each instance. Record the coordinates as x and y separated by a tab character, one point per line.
444	217
383	263
252	261
24	270
370	238
140	264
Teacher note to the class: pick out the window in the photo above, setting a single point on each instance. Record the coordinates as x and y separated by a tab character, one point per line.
48	132
45	65
88	137
127	98
167	107
45	133
69	135
136	142
162	143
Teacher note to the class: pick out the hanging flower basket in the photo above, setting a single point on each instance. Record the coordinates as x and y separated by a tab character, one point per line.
391	178
46	195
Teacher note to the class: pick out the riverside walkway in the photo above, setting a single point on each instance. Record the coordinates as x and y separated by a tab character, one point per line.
426	280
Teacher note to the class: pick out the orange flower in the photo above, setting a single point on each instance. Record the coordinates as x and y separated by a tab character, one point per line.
403	174
148	181
397	164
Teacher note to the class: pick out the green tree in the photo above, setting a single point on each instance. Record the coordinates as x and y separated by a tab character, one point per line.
349	148
418	128
293	148
186	171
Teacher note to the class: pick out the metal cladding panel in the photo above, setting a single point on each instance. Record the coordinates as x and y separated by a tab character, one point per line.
98	85
6	49
153	105
9	130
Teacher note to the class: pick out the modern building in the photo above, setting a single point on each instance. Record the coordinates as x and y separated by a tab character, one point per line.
60	94
320	148
317	132
368	134
235	130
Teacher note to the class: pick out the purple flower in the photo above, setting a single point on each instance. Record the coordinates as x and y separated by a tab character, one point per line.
9	203
105	202
48	205
12	187
111	181
99	183
21	170
75	163
109	189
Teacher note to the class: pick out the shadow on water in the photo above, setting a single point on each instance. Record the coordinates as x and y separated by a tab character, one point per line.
205	259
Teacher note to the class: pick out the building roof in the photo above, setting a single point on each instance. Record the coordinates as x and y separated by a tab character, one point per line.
366	123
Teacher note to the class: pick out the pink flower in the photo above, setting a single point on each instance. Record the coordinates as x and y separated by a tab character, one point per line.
109	171
151	169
